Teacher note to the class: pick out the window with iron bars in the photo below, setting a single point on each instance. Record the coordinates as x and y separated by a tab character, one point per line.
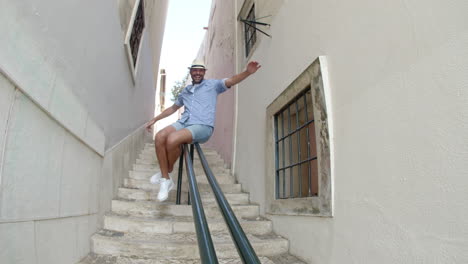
296	149
134	36
137	32
250	32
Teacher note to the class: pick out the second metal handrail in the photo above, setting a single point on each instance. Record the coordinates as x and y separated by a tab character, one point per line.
244	248
205	244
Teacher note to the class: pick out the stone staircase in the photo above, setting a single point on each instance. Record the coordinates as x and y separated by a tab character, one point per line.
141	230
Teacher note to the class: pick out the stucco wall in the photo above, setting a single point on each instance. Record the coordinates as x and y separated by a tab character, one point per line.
48	185
54	188
66	91
50	44
217	50
397	72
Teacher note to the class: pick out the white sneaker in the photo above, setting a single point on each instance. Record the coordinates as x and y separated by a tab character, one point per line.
156	178
166	186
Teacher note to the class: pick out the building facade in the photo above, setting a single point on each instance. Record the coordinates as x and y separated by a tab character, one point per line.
217	51
77	84
380	175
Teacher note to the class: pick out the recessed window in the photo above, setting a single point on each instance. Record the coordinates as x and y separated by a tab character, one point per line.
296	149
250	32
133	39
299	168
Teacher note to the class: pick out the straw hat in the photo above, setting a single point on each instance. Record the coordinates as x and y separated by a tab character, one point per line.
198	64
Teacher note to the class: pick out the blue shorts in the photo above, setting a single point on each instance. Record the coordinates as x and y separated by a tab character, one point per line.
200	133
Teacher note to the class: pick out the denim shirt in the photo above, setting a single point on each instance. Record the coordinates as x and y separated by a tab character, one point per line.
200	102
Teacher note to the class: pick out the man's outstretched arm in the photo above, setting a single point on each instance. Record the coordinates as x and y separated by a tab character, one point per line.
167	112
252	67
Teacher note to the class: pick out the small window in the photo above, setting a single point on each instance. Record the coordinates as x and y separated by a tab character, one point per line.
133	39
250	32
296	149
299	168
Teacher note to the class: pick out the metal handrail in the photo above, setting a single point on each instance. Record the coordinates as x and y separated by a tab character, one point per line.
179	179
244	248
205	243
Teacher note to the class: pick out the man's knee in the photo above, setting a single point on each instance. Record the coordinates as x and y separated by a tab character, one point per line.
172	142
160	138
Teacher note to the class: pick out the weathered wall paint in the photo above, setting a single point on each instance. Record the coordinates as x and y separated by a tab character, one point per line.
217	50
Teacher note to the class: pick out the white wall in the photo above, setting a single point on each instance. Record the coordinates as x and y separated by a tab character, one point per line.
54	189
399	95
48	185
71	122
79	45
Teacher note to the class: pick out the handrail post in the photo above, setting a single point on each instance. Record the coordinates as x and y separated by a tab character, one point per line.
179	180
205	243
191	157
191	152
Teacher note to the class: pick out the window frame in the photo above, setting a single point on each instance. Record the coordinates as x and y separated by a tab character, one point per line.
242	14
316	77
250	32
133	64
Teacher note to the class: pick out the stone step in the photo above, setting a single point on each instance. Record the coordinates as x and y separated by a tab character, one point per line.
207	153
202	187
152	152
197	163
180	224
152	209
151	159
140	230
201	178
183	245
146	174
151	145
109	259
207	197
211	159
198	168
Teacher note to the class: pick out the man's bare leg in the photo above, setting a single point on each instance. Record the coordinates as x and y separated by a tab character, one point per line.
167	143
176	154
160	141
173	143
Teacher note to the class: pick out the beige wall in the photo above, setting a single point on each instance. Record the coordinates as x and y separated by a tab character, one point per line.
217	50
397	72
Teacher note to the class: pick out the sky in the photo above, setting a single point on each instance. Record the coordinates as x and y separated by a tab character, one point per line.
182	38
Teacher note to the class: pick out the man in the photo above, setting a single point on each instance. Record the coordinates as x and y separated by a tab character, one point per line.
196	123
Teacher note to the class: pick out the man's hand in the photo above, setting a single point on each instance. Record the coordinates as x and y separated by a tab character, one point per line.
150	124
253	66
169	111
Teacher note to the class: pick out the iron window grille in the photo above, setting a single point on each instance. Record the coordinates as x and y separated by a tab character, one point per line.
134	36
295	149
250	32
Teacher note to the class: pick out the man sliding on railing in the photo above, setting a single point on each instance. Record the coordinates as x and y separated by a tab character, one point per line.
196	123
